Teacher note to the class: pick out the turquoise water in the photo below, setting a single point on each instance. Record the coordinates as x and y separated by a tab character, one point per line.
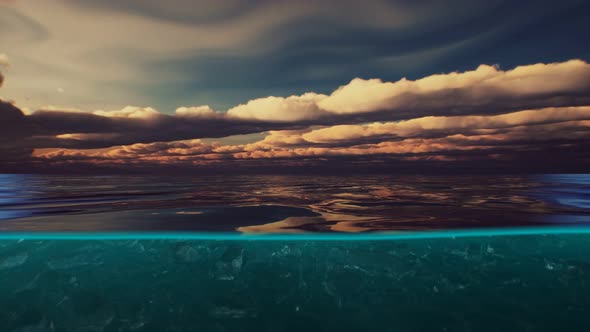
525	280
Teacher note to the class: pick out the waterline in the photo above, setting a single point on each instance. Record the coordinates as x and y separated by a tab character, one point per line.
373	236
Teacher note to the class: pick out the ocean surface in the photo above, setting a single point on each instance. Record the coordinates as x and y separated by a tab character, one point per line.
289	204
293	253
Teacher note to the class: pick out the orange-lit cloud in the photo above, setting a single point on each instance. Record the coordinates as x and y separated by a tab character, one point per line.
428	138
446	125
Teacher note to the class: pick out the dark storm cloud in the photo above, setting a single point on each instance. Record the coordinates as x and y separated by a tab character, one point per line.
12	122
97	131
14	130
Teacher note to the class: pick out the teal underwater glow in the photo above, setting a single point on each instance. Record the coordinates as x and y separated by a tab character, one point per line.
501	280
376	236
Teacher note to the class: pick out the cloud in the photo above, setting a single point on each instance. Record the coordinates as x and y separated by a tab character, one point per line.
196	112
513	136
444	125
475	87
484	90
132	112
136	46
191	152
513	141
528	108
290	109
3	63
54	129
13	131
12	122
226	52
4	60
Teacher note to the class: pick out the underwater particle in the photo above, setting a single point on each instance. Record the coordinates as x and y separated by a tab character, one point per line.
230	264
137	325
187	253
136	245
551	265
513	281
74	262
36	328
92	310
227	312
30	285
73	281
435	289
14	261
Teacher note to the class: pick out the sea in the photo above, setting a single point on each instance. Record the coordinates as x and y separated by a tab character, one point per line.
295	253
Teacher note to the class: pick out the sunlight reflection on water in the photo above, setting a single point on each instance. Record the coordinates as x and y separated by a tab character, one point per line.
289	204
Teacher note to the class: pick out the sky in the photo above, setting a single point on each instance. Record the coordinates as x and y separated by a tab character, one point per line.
133	86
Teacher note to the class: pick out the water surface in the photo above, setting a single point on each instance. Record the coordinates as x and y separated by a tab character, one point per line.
290	204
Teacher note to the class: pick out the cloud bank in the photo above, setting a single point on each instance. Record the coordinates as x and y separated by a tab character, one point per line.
504	137
481	91
482	114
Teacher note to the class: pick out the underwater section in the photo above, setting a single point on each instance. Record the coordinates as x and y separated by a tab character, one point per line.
470	282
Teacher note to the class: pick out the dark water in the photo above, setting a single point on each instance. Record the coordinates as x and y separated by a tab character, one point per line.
288	204
499	253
